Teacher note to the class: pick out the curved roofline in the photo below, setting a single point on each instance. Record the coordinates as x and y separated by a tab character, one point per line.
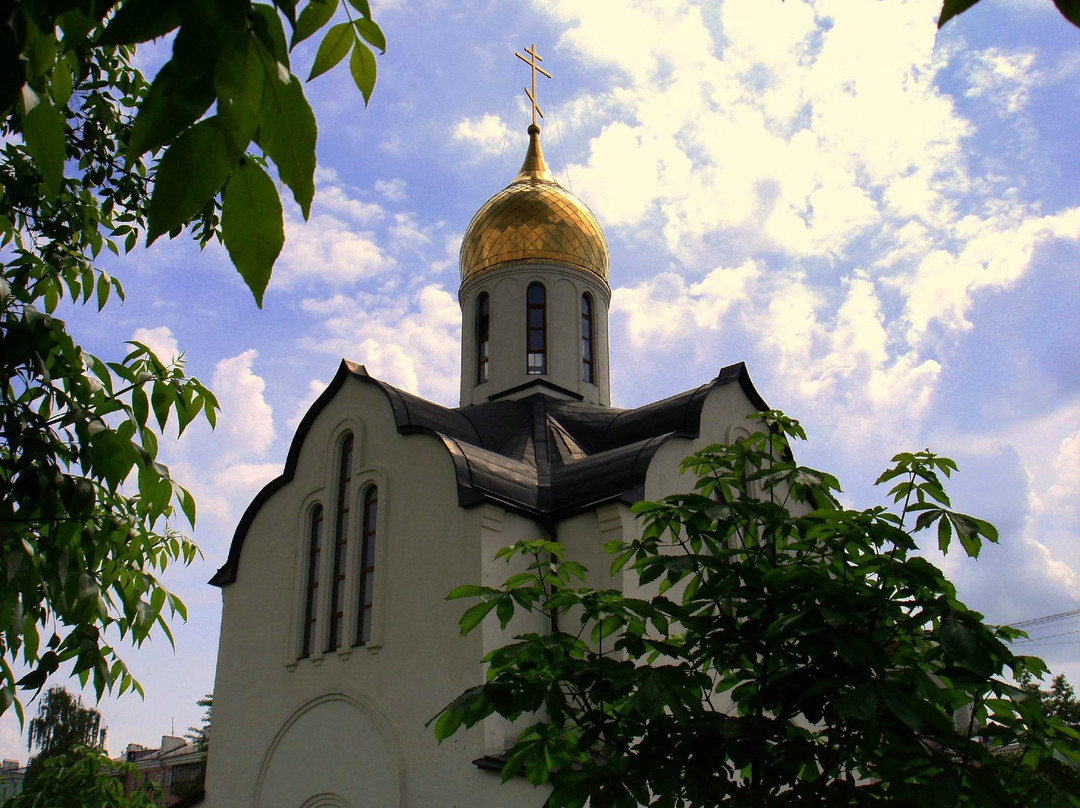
623	444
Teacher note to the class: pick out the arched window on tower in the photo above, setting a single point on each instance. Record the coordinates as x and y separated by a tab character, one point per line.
587	372
367	565
536	329
311	591
483	333
341	542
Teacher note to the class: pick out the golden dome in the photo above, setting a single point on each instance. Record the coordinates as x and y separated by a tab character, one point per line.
534	220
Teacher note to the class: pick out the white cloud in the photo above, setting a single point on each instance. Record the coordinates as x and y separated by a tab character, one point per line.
406	233
160	340
246	420
394	190
1004	77
328	249
414	344
482	136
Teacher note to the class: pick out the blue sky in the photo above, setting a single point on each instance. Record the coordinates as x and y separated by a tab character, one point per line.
882	221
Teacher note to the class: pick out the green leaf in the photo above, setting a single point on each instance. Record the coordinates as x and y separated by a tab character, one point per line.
43	130
447	724
180	94
138	21
315	15
944	533
950	8
1070	10
113	457
467	591
287	134
371	33
238	83
333	48
190	173
362	66
474	614
361	6
504	610
956	639
61	85
252	226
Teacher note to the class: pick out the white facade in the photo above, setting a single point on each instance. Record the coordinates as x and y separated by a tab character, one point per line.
302	718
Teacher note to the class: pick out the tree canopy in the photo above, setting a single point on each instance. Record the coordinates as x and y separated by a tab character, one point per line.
774	649
85	777
96	157
62	724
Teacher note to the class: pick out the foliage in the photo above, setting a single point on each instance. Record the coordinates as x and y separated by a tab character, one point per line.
94	157
62	723
1059	701
778	650
1070	10
84	778
200	736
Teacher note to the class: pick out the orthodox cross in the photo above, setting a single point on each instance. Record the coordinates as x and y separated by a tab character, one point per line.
532	63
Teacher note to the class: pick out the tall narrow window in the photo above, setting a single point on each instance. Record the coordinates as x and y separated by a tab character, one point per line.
367	565
341	540
483	332
586	339
536	335
311	593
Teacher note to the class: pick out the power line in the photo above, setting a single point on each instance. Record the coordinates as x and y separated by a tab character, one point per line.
1045	636
1050	618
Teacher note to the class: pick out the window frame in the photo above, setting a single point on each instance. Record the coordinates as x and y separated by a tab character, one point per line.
588	339
483	337
339	565
540	366
365	577
309	641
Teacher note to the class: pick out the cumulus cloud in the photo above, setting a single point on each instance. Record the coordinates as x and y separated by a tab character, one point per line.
1004	77
160	340
482	136
247	421
413	343
829	135
394	190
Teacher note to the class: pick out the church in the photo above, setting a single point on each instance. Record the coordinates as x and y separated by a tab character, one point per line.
337	643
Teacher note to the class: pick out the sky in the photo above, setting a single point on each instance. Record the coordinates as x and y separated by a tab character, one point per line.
881	220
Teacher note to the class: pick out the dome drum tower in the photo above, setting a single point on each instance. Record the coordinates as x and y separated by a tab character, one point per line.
534	293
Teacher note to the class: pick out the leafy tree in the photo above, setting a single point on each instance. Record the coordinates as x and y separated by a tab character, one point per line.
778	650
1059	701
1070	10
62	723
200	736
84	778
95	157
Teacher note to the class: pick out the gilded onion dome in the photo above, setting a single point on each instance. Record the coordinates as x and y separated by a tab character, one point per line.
534	220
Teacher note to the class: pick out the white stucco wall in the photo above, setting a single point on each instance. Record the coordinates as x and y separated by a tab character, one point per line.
349	724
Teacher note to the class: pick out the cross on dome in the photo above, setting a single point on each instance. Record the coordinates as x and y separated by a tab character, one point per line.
535	68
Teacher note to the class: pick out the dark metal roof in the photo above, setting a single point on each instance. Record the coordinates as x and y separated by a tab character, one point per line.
544	457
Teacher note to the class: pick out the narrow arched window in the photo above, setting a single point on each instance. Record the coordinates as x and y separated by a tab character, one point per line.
367	565
536	325
483	334
311	592
587	339
341	541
